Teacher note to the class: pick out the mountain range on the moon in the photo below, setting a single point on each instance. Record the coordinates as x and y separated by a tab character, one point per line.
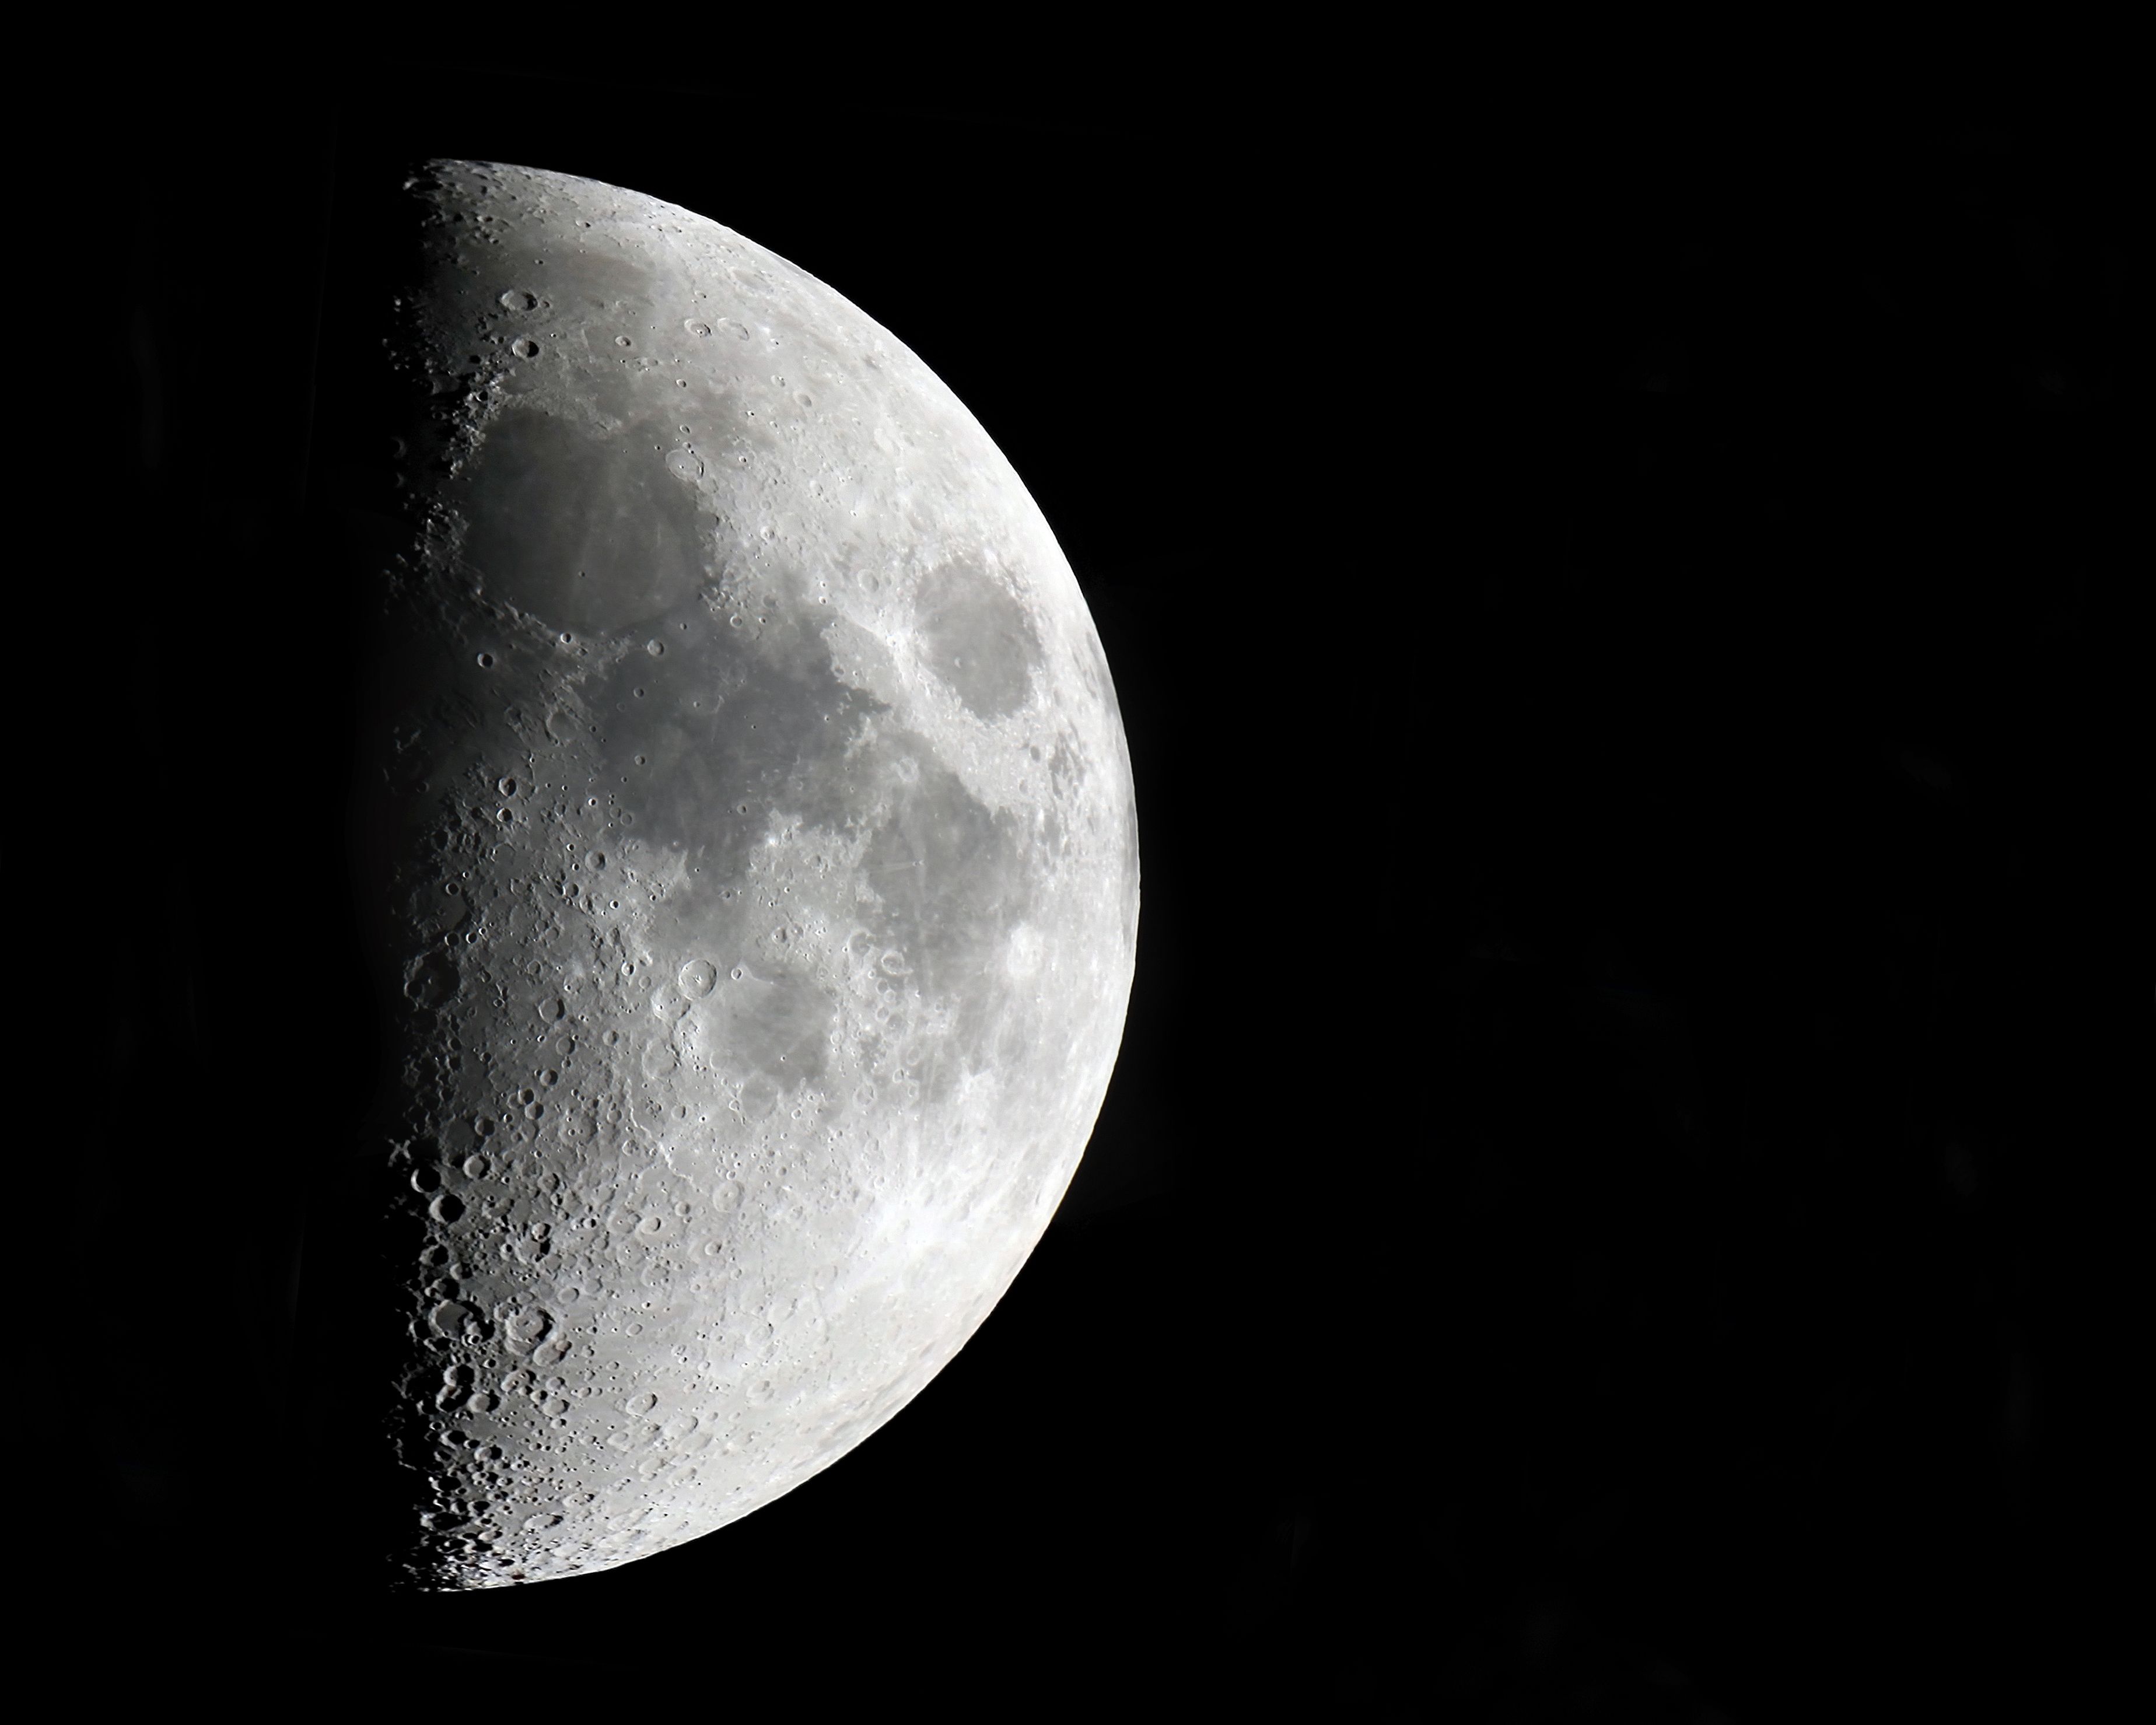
1610	1186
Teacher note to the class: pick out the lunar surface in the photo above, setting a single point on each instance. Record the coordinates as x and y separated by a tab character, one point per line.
749	825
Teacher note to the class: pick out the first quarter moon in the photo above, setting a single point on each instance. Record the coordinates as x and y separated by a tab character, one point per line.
748	840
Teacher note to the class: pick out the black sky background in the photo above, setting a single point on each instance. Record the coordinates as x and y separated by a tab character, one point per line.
1629	640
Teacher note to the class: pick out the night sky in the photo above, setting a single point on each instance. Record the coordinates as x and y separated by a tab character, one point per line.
1627	631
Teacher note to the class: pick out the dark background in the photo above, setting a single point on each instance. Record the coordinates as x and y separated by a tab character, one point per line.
1614	1182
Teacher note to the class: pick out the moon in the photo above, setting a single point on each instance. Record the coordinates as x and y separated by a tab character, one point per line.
748	830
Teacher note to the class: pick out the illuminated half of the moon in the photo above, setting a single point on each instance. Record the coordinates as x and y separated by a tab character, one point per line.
754	854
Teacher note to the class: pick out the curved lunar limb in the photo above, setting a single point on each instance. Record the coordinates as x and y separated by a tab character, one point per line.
749	824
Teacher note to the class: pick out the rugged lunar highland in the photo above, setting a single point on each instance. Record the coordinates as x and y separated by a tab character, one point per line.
755	855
